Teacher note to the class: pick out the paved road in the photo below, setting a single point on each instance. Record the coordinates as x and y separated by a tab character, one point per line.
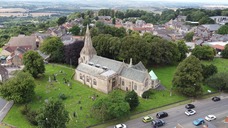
176	115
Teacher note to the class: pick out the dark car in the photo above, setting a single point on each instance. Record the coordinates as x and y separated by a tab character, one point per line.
161	115
216	98
189	106
158	122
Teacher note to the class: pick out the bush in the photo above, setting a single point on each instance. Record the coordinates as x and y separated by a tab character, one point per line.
147	94
31	117
25	109
62	96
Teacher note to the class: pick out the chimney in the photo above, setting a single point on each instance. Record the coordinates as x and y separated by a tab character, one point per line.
130	65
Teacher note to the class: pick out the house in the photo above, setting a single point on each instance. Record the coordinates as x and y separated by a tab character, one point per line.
3	74
16	47
24	41
212	27
105	74
220	19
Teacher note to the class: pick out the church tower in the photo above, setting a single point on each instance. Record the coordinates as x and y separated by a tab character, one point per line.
88	50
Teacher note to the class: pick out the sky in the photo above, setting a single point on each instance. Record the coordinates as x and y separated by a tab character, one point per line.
198	1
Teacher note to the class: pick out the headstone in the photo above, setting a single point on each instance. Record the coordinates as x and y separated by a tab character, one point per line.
49	80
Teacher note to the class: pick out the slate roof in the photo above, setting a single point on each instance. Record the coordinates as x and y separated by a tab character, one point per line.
139	66
212	27
23	40
92	70
109	63
133	74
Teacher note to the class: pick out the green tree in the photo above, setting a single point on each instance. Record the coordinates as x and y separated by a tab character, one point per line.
61	20
209	70
113	106
118	107
114	21
188	77
53	46
20	88
183	49
206	20
218	81
224	52
135	48
204	52
189	36
75	30
223	30
132	99
52	115
100	109
34	63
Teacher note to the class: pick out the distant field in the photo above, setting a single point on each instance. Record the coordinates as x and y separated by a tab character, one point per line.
10	10
25	14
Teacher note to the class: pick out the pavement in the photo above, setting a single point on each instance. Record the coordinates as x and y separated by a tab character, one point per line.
176	115
5	106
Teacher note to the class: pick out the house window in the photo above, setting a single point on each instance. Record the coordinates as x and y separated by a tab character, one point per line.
135	87
94	82
87	78
123	82
80	76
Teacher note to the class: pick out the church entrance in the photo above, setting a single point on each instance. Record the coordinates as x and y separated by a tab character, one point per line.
126	88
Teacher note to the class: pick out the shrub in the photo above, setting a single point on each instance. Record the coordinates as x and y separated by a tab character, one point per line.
62	96
147	94
25	109
31	117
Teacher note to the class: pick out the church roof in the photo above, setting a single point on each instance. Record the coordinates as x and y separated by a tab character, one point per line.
109	63
139	66
133	74
89	69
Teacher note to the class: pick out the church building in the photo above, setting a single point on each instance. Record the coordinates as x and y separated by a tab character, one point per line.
105	74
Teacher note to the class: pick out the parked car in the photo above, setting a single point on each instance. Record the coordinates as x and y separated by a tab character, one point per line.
189	106
190	112
158	122
161	115
120	126
147	119
216	98
210	117
198	121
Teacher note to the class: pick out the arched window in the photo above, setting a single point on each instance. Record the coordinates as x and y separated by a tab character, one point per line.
87	78
94	82
80	76
123	82
146	83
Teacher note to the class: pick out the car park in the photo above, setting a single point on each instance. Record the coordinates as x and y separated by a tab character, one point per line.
147	119
120	126
198	121
158	122
161	115
189	106
216	98
190	112
210	117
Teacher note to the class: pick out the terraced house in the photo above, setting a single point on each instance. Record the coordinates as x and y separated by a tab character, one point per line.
105	74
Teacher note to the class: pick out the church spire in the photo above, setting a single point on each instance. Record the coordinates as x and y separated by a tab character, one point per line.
88	50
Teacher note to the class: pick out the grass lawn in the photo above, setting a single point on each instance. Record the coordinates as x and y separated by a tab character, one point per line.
83	93
44	90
